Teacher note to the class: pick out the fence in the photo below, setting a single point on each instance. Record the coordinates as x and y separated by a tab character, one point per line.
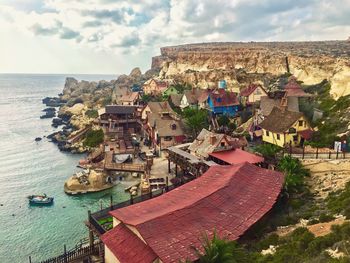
75	254
301	154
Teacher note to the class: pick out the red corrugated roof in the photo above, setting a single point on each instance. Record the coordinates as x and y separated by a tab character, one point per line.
127	247
225	199
221	97
237	156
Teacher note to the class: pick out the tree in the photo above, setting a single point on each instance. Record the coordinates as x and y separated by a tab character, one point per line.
217	250
94	138
268	150
196	120
294	173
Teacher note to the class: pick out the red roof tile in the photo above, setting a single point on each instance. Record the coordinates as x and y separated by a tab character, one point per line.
221	97
228	199
127	247
237	156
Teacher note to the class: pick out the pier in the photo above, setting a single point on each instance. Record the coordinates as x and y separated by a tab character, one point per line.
122	167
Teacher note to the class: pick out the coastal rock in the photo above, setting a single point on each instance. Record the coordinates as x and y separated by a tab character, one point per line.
53	101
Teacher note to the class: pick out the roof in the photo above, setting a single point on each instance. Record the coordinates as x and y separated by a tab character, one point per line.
225	199
221	97
119	109
237	156
250	89
194	95
202	146
176	99
267	104
280	120
293	89
130	97
158	107
127	247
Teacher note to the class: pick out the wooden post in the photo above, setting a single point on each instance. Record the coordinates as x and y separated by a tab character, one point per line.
175	169
167	183
317	153
303	151
65	254
91	238
329	155
30	259
111	200
337	154
169	165
131	199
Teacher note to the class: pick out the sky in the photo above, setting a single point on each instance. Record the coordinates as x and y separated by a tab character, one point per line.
112	37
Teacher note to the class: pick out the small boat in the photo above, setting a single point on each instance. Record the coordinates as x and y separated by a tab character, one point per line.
40	200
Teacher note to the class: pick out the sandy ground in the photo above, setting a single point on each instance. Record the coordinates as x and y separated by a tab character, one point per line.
327	176
320	229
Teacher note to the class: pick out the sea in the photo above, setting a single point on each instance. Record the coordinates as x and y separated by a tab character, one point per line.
28	167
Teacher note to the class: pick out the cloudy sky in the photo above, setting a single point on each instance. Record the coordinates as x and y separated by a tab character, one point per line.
113	36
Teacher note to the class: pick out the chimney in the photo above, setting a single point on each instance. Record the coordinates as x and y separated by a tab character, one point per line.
212	139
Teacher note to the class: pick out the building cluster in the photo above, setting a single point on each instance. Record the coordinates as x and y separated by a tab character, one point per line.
230	190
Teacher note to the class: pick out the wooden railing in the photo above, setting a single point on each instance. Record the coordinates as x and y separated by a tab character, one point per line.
300	153
75	254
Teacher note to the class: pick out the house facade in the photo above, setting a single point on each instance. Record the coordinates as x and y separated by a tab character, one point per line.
252	94
222	102
283	128
194	98
130	98
154	87
170	91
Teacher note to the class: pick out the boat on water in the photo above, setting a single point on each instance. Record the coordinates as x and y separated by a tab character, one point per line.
40	200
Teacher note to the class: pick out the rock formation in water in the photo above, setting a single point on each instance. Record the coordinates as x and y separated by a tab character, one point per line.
203	65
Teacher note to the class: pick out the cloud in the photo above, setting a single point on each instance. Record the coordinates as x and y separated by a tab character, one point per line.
115	26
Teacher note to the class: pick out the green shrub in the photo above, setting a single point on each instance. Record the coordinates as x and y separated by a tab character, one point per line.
91	114
325	218
94	138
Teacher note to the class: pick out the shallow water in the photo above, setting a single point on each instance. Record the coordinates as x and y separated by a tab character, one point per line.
28	167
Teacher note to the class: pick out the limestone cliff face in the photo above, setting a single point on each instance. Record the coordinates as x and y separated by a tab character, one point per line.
204	64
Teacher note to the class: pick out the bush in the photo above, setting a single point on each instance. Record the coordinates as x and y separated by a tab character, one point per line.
325	218
91	114
93	138
268	150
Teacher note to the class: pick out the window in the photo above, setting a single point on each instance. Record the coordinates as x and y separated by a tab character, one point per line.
267	133
278	137
258	91
168	138
222	144
300	123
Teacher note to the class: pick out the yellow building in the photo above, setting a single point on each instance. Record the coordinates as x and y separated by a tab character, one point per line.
283	127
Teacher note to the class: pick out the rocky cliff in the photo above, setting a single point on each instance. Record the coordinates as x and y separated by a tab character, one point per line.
240	63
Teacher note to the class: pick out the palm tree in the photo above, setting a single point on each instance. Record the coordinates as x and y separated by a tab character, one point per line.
294	173
217	250
196	120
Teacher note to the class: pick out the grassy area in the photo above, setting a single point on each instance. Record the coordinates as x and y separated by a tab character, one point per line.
91	114
93	138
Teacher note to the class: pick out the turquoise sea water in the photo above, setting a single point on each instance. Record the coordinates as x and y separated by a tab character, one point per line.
28	167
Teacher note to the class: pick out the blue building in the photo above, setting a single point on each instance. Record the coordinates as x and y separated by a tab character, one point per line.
222	102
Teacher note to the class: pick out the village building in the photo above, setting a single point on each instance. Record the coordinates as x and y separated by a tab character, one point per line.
268	103
175	100
283	128
130	98
252	94
222	102
119	119
163	127
228	200
119	93
222	149
195	98
293	89
170	91
155	87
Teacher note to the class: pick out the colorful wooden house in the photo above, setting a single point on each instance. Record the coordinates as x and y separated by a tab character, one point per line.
252	94
169	91
194	98
283	128
222	102
154	87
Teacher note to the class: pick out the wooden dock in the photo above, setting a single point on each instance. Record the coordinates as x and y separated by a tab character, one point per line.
122	167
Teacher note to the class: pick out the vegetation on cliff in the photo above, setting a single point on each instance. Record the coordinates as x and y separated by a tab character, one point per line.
94	138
